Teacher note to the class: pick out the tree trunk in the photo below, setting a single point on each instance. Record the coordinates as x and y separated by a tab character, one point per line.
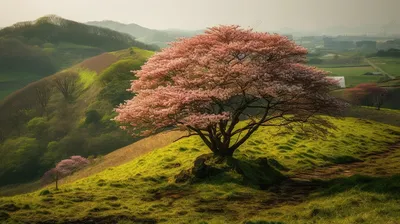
56	181
224	152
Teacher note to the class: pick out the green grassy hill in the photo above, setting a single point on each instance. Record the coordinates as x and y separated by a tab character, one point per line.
42	123
351	176
30	51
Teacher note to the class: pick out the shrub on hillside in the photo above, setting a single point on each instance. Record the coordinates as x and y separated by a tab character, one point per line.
59	128
120	70
92	116
72	144
37	127
115	92
116	79
51	155
19	160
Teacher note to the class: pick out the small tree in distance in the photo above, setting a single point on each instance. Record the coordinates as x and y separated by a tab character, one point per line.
66	83
64	168
369	94
43	93
210	82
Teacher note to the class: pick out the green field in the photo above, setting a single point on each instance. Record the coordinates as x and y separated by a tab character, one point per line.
354	75
144	191
340	65
389	65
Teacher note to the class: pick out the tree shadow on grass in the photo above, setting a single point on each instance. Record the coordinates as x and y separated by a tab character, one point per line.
293	191
382	185
262	174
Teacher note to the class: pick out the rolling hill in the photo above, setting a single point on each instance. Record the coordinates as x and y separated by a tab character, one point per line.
349	176
115	158
66	113
149	36
35	49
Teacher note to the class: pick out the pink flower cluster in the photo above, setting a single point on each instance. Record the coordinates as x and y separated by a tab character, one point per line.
182	84
64	168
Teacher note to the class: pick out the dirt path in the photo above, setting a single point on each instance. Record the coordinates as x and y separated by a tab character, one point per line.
370	161
379	69
296	189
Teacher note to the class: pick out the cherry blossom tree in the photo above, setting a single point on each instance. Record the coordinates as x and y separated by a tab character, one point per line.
211	82
369	94
64	168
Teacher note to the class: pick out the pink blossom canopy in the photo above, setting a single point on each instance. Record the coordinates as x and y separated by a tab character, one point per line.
64	168
202	81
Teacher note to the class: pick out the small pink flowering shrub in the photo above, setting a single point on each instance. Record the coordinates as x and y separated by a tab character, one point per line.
64	168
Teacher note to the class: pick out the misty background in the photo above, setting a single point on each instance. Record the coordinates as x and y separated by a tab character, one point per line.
290	16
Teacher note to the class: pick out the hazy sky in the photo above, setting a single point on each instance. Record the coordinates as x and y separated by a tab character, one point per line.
198	14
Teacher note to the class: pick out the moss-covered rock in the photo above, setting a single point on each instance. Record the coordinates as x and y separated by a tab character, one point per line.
256	172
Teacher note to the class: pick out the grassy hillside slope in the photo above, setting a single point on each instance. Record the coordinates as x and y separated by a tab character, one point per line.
32	50
115	158
42	124
144	191
126	154
384	115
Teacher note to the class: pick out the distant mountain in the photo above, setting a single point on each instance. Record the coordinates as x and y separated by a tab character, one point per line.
35	49
54	29
146	35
